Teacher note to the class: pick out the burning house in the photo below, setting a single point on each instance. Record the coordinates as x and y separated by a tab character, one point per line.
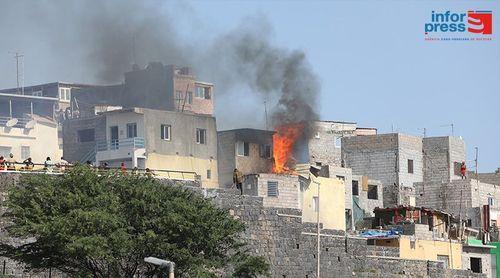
248	150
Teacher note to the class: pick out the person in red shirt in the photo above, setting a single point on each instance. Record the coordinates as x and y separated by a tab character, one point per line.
463	170
123	168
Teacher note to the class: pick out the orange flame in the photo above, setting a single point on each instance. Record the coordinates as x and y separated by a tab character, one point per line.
283	142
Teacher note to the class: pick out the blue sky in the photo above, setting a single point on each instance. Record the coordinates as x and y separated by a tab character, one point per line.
376	69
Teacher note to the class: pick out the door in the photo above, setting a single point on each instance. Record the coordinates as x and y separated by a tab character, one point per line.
113	131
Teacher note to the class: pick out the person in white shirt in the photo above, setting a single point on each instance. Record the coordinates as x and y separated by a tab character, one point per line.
49	165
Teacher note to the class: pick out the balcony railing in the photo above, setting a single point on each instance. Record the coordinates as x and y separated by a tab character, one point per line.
129	143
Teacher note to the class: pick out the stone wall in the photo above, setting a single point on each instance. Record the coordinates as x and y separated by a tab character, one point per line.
482	253
279	235
290	246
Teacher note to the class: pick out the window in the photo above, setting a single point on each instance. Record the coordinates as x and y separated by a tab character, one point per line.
315	204
190	97
475	265
265	151
37	93
201	136
203	92
178	97
242	148
64	94
131	130
342	178
410	166
86	135
355	188
456	168
338	142
491	201
372	192
5	151
165	132
209	174
272	189
25	152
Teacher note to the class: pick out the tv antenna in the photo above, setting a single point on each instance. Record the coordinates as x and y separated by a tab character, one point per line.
17	56
452	128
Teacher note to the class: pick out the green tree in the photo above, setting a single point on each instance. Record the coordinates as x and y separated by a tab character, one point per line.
103	225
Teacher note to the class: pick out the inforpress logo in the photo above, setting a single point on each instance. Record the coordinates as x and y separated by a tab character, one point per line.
480	22
472	25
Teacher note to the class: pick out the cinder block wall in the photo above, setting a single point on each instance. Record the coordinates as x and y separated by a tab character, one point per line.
440	154
374	156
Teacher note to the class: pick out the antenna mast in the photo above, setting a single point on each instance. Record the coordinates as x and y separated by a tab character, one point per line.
17	56
265	111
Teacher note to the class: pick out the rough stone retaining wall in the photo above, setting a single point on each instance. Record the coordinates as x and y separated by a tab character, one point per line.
288	245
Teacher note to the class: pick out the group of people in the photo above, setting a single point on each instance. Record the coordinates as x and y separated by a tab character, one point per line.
28	164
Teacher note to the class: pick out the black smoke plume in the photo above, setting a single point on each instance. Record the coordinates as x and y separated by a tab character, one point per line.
97	41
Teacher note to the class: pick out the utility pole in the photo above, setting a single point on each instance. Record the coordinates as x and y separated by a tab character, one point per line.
475	160
318	254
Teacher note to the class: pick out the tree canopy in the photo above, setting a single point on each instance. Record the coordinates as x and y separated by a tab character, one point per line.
103	225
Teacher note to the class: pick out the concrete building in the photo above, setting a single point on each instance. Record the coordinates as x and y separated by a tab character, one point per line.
28	127
442	158
399	161
248	150
159	87
325	146
147	138
394	159
463	198
367	194
61	91
305	192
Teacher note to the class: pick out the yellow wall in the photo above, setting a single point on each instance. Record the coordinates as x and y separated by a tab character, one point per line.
42	141
331	203
427	250
184	163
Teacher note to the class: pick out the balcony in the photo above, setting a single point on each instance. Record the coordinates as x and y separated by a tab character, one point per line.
127	143
122	149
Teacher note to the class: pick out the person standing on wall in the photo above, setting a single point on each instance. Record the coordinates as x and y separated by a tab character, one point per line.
238	180
463	170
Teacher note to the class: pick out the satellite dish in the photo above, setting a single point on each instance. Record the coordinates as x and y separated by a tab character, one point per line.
30	124
12	122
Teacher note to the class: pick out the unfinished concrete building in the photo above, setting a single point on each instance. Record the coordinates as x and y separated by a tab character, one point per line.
442	158
325	146
171	143
159	87
246	149
395	159
463	198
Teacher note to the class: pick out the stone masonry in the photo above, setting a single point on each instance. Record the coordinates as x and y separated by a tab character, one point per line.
289	246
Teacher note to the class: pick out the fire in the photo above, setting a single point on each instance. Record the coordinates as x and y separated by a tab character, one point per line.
283	142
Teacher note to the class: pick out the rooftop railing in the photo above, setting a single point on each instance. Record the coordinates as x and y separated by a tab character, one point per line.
59	169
